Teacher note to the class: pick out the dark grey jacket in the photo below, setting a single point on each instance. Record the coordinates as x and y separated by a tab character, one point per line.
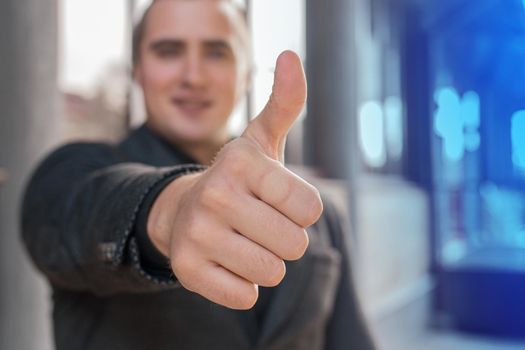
82	222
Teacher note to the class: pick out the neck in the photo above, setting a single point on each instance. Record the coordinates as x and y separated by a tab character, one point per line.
203	152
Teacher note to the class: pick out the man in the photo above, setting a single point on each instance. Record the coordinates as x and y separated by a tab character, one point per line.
146	248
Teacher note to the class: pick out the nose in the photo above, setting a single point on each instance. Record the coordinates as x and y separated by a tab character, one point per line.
194	75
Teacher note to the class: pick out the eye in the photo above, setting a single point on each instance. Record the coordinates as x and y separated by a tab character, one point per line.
169	51
217	53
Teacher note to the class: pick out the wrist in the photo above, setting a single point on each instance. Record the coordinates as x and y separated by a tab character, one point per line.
164	210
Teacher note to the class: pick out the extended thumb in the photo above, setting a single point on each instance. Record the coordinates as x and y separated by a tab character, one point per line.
288	97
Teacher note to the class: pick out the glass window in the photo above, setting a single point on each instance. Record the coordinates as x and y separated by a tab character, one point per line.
478	136
93	73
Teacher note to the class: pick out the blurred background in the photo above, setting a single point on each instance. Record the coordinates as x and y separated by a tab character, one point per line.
415	118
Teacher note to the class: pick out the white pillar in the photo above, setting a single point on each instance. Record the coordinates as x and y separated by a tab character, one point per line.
330	126
29	111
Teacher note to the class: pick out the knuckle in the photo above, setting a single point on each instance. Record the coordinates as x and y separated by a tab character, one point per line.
194	235
286	190
214	195
278	185
179	269
237	160
316	207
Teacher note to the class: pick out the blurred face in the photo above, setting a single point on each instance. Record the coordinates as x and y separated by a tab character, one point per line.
192	67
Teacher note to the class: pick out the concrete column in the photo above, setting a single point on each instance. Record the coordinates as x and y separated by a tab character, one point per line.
29	111
330	128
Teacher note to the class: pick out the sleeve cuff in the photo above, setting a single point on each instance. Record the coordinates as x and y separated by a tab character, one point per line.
151	259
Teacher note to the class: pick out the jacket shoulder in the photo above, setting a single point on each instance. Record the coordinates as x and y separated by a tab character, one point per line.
79	154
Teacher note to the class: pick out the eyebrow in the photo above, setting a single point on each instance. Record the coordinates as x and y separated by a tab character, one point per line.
158	44
210	44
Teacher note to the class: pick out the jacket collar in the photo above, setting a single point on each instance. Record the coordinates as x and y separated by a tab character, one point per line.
145	146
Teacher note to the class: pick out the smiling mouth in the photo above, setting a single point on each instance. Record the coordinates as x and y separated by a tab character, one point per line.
191	106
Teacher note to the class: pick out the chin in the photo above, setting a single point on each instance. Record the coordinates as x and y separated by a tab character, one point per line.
181	130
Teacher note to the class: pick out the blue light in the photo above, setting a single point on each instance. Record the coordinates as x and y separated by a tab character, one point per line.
447	123
470	112
371	132
503	212
518	140
457	121
393	108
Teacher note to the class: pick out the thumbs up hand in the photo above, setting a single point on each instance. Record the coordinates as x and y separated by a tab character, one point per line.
229	229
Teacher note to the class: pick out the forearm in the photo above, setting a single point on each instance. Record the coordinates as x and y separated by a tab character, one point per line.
78	219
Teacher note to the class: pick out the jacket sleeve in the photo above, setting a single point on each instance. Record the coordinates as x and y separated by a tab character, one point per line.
347	328
79	216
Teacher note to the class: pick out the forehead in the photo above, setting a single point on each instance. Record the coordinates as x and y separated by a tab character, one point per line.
190	19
